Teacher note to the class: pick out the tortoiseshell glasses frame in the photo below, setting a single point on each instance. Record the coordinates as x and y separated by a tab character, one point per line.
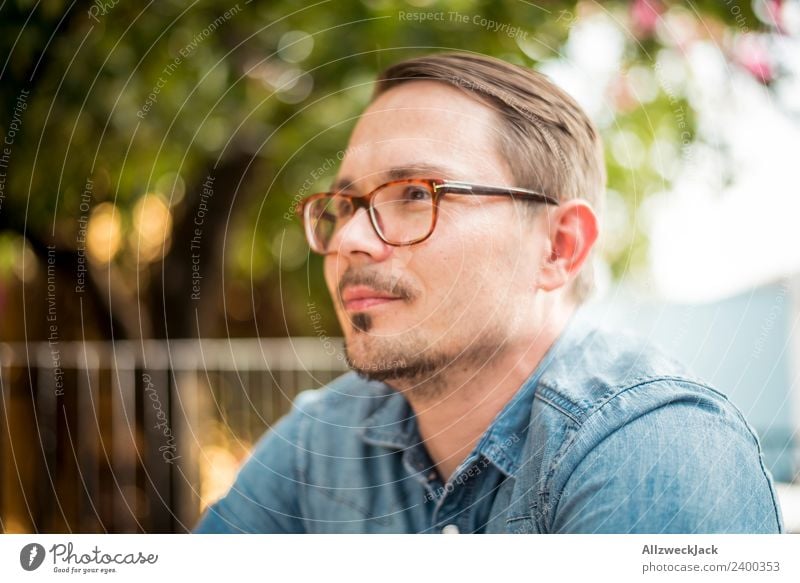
402	212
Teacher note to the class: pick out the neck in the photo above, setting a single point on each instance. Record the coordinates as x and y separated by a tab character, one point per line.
459	409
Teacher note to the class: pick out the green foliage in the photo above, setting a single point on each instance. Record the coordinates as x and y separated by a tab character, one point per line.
127	95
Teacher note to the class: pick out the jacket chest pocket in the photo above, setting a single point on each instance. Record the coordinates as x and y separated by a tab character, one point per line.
511	511
521	525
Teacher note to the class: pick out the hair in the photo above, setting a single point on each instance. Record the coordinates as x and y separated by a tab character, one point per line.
550	143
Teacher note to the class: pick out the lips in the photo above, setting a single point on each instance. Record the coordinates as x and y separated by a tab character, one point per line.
359	298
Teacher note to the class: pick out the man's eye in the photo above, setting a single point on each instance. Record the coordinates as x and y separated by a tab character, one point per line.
344	209
416	193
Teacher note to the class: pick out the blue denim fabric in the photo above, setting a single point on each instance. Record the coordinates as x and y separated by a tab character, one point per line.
608	435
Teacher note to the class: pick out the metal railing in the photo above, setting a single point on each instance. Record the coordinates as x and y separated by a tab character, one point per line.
139	436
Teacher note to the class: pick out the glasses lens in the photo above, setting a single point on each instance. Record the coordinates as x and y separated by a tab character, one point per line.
404	211
323	217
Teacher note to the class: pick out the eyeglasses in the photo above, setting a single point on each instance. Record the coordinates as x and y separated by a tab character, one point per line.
402	212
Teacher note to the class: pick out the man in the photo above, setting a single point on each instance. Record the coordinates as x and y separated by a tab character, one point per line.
456	242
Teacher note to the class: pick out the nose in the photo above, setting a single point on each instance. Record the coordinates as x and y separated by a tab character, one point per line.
357	238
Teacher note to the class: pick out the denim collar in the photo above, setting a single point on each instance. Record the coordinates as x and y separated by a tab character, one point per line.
393	423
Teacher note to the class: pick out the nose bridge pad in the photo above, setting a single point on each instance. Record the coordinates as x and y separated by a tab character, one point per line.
359	202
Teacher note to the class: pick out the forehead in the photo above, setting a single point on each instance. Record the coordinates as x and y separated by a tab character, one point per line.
425	123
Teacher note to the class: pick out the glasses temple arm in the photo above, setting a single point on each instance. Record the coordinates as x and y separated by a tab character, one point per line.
463	188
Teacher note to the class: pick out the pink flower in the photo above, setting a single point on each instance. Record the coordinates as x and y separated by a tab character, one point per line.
752	53
645	15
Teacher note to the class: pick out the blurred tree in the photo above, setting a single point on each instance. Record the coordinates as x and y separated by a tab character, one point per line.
161	147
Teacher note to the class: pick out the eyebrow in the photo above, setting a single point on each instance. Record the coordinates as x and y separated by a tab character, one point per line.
398	173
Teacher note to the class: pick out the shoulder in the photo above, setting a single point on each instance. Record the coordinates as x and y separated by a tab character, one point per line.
596	368
325	420
604	383
627	424
344	403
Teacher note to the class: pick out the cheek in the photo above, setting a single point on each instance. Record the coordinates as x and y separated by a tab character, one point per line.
489	250
455	269
479	238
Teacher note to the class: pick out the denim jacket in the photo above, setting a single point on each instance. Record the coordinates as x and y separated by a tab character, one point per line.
607	435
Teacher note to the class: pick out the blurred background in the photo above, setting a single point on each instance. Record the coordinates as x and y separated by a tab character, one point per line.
159	308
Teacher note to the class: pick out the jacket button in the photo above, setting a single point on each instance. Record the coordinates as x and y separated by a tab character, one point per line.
450	529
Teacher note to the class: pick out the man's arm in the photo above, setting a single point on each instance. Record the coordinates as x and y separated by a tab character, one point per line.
680	468
264	497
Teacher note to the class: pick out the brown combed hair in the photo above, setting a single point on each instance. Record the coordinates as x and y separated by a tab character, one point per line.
550	143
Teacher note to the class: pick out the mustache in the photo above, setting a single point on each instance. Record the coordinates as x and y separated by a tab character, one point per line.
379	282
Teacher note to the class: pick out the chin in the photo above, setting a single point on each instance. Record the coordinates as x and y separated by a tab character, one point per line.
372	355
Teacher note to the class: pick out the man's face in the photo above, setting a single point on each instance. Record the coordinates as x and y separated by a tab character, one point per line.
465	292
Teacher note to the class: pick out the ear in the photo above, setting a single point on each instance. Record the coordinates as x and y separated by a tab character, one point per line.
572	231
